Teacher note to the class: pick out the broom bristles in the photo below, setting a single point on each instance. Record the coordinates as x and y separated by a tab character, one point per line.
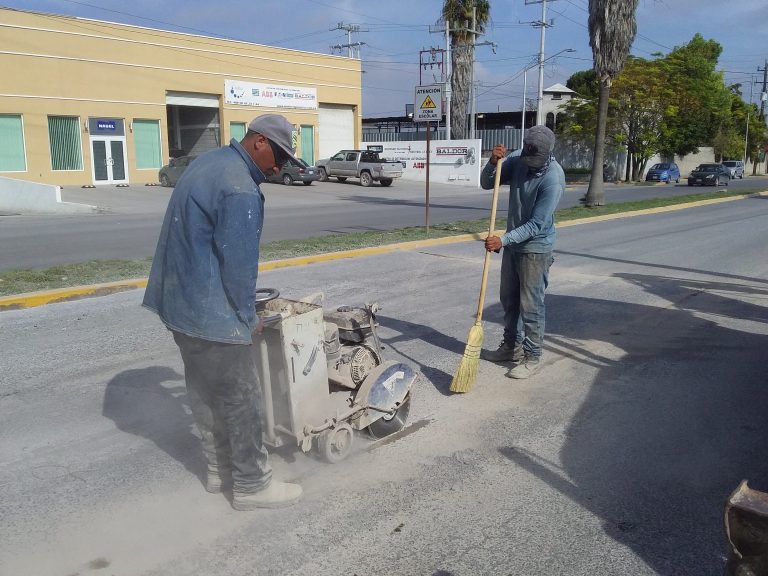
465	376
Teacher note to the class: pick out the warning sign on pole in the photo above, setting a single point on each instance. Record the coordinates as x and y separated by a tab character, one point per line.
428	103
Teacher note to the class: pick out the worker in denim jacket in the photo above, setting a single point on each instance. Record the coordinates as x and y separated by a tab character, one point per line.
202	286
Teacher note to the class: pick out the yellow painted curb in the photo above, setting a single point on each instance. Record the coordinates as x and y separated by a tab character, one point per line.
356	253
32	299
672	208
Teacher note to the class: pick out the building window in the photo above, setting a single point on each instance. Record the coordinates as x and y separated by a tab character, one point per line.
146	139
64	138
237	130
12	157
557	96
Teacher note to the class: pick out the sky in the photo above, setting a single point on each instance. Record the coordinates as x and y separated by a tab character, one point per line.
395	31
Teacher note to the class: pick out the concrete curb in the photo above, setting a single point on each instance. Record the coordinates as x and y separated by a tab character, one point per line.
32	299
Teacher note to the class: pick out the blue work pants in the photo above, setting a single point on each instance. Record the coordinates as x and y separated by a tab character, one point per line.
524	279
225	398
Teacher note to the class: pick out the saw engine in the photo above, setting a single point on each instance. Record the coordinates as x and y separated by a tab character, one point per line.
352	347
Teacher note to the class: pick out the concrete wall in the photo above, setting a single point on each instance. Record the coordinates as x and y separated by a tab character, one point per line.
25	197
575	154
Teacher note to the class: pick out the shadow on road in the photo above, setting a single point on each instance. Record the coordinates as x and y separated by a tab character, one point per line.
410	331
151	403
674	419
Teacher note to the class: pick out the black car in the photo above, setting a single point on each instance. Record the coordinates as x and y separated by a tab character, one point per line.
709	175
298	171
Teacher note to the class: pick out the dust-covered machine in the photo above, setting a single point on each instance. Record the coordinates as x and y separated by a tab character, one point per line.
323	375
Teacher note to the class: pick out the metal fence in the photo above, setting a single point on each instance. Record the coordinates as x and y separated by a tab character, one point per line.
510	137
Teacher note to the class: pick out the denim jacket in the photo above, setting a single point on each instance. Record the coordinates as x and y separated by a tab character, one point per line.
532	203
204	272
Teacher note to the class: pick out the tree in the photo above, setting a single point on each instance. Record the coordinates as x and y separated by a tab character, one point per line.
458	14
584	83
668	105
703	101
642	101
612	29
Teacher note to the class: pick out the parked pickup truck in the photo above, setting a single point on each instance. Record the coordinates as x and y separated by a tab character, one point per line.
363	164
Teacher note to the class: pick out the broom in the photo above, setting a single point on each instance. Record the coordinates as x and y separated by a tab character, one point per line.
465	376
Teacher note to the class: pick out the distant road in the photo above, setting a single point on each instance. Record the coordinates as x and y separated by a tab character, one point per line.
130	229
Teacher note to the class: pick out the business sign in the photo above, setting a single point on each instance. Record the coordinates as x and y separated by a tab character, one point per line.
428	103
106	126
450	161
269	95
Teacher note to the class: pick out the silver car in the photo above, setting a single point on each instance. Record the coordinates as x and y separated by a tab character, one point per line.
736	167
171	172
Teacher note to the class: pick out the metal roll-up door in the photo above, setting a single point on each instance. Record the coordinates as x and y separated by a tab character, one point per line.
336	130
195	99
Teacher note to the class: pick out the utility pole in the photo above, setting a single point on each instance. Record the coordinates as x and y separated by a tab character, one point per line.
764	93
434	57
472	92
474	89
349	29
469	28
763	97
543	25
446	74
447	90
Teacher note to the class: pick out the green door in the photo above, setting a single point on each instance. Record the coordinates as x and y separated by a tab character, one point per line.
308	144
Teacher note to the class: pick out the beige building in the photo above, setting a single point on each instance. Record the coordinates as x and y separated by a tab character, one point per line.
86	102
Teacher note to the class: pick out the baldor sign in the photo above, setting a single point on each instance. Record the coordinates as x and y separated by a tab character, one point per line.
428	104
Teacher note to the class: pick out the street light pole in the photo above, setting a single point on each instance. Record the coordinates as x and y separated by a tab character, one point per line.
525	92
540	99
746	138
473	90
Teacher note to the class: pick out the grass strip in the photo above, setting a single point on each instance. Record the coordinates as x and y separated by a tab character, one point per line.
98	271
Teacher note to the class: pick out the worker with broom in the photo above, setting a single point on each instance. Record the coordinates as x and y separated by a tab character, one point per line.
536	184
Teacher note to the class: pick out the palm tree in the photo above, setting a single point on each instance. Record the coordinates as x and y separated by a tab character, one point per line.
612	29
458	14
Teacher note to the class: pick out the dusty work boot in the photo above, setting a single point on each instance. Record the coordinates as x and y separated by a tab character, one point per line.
525	369
504	353
217	480
276	495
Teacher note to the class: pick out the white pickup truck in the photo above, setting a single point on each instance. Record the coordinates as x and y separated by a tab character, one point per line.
363	164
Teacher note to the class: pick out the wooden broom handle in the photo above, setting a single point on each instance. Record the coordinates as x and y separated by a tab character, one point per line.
491	232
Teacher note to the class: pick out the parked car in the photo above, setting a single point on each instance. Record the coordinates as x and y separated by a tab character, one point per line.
363	164
171	172
709	175
298	171
663	172
736	168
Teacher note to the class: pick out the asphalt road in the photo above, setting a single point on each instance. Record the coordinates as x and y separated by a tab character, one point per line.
616	459
129	226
